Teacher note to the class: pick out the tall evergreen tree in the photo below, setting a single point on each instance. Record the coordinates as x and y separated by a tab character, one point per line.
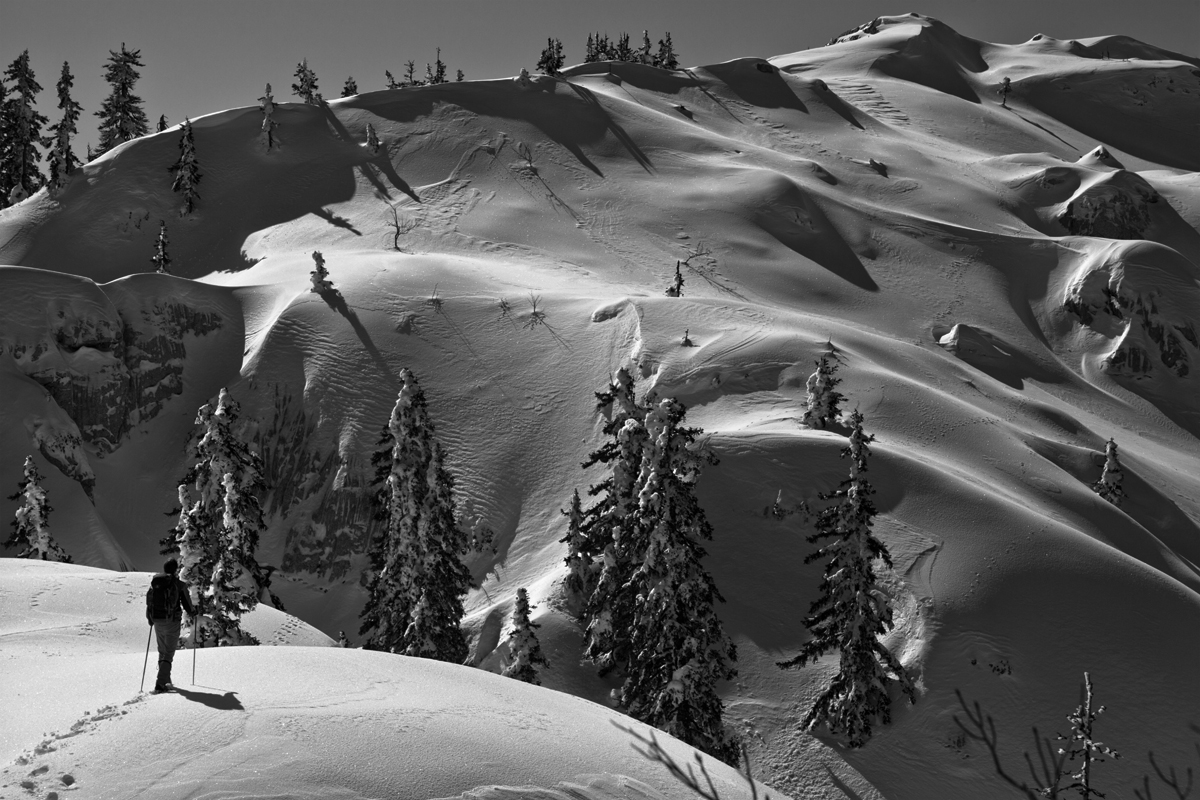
349	88
525	652
62	159
581	567
417	578
666	56
31	526
372	139
644	54
220	520
1109	485
436	73
624	50
609	528
187	171
551	60
410	76
267	104
589	50
821	405
160	259
852	610
678	648
306	86
121	115
162	124
22	132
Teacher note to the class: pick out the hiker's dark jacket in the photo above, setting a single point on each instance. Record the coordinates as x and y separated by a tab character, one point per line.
183	600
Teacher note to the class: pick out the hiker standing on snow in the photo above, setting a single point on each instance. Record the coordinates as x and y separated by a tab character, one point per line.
164	599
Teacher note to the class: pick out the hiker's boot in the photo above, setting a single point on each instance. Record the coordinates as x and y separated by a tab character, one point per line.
163	682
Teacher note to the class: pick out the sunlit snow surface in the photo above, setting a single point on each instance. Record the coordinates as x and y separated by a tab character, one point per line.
1004	298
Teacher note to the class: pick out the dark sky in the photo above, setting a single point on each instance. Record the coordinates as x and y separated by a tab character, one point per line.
207	55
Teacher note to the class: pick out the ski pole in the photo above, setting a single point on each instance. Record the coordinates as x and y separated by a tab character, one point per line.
195	628
142	685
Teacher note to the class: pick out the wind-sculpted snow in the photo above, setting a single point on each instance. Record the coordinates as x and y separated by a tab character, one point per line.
1005	288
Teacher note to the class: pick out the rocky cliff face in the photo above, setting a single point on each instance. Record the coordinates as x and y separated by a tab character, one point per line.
1130	294
107	357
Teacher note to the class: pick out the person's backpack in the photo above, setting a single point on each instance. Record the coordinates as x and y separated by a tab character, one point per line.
163	600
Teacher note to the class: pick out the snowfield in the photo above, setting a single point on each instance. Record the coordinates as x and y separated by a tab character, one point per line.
1005	288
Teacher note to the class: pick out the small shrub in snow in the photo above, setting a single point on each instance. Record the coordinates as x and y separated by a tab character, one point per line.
31	526
306	86
319	275
417	578
267	104
676	287
1109	485
220	520
187	171
121	115
62	160
1005	88
161	259
852	610
821	406
551	59
525	653
1083	747
21	133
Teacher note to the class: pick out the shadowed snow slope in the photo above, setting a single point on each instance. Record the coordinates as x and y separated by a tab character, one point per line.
1006	288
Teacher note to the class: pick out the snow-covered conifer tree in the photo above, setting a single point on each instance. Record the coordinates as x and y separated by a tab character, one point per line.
678	650
644	54
186	170
525	653
372	139
551	60
589	50
625	51
22	132
581	569
267	104
349	88
306	88
162	124
852	610
676	287
121	115
821	407
160	259
417	579
1109	485
410	74
62	159
1005	88
319	275
608	528
439	69
220	520
666	56
459	76
31	526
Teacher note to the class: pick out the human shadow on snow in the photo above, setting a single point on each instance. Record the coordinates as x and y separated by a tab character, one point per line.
221	702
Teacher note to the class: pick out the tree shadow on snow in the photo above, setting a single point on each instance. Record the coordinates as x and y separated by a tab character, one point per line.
221	702
336	221
381	161
333	298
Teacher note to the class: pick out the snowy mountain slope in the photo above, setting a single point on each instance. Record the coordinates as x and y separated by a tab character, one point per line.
305	720
1003	296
